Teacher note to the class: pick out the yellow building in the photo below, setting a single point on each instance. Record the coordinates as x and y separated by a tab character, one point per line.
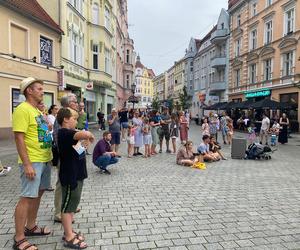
265	52
144	84
179	67
30	46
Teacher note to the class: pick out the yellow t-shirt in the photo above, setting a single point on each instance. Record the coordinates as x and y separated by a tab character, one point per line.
38	140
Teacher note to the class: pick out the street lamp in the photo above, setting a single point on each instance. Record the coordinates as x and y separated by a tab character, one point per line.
133	99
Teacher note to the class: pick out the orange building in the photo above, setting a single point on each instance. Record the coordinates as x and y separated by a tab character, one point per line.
265	52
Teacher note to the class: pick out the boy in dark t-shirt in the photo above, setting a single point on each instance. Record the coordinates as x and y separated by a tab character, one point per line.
72	172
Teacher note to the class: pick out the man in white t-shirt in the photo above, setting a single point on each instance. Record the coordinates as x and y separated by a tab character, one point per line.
264	129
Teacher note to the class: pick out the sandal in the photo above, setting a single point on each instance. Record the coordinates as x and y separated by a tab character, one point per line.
72	245
32	232
17	244
77	235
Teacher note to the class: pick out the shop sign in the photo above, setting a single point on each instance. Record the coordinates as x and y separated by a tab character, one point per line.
61	80
214	99
90	96
90	86
264	92
202	97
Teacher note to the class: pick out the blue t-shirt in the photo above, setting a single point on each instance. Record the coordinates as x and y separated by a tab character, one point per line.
203	148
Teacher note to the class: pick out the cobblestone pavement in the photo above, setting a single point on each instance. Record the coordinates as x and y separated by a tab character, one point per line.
155	204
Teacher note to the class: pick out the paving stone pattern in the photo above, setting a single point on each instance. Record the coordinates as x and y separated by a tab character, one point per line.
155	204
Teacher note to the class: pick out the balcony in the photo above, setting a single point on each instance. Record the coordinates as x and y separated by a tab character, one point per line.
218	61
217	86
219	35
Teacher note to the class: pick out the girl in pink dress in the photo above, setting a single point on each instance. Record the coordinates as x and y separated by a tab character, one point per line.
183	127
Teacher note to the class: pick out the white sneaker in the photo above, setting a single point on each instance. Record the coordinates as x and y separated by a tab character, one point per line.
5	170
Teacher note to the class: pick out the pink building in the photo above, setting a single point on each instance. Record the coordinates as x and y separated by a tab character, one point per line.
125	56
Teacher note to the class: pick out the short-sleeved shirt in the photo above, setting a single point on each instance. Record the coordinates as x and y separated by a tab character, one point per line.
265	124
38	140
81	121
72	165
100	149
165	117
203	148
123	116
115	127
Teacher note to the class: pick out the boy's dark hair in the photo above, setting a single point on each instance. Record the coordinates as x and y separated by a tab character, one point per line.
106	133
62	114
204	137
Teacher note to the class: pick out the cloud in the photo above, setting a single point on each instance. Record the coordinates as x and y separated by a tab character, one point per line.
161	29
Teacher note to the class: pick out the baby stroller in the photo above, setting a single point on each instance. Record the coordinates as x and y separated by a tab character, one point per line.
257	151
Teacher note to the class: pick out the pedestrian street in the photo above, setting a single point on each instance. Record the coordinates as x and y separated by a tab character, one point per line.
153	203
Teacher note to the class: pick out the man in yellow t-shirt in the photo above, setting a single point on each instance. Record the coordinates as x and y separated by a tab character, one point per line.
34	142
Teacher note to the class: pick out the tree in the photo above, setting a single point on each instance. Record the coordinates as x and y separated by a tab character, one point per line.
155	103
185	99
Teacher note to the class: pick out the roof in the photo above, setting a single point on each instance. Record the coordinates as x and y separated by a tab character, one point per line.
208	35
151	73
198	43
232	3
138	64
32	9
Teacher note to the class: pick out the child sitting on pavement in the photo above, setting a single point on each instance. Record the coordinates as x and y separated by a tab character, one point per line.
204	150
215	147
72	172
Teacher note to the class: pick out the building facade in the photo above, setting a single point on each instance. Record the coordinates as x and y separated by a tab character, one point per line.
160	87
179	80
265	51
204	75
144	84
125	55
30	46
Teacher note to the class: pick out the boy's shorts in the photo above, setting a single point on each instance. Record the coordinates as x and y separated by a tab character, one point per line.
41	181
71	198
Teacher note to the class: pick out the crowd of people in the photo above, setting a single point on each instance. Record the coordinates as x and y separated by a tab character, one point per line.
60	137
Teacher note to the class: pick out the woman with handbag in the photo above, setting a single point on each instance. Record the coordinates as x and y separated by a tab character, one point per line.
283	132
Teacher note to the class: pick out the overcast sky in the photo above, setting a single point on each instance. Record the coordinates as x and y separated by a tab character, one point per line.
161	29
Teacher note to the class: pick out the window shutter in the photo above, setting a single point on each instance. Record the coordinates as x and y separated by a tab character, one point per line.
92	43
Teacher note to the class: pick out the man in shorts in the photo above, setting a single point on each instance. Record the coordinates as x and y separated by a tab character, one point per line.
33	142
165	131
264	129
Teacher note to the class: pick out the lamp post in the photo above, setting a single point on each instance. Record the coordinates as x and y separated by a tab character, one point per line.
132	98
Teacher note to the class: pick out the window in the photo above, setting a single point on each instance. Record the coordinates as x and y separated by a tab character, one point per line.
95	56
46	46
191	66
127	56
107	18
254	8
288	63
238	20
95	14
107	61
77	4
267	69
15	101
127	81
252	73
76	48
289	21
222	26
253	39
269	2
268	32
238	47
19	41
237	76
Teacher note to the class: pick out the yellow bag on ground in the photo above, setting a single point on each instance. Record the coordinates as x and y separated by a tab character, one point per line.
199	165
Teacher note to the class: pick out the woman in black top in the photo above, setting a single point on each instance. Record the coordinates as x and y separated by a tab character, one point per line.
283	133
